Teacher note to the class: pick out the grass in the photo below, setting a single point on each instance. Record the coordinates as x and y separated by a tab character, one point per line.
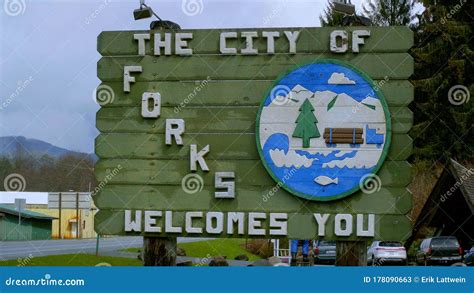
73	260
217	247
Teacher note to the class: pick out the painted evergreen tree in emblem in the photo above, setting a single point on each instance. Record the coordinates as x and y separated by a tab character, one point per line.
306	127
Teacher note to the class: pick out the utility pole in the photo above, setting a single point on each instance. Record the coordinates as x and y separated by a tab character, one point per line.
159	251
351	253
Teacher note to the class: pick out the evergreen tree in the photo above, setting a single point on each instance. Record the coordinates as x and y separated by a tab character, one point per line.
390	12
330	17
443	56
306	124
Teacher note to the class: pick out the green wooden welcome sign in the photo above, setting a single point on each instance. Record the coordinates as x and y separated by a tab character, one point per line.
292	132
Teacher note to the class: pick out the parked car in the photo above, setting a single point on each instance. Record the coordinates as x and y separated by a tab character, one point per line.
469	257
386	252
439	250
324	252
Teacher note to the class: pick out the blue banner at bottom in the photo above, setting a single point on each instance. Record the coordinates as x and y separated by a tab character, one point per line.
237	279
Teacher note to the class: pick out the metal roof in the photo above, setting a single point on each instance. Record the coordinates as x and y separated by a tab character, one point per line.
464	176
8	197
10	209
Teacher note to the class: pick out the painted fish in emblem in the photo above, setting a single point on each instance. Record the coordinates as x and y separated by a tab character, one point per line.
324	180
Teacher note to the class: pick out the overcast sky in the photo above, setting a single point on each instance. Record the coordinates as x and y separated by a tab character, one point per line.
48	55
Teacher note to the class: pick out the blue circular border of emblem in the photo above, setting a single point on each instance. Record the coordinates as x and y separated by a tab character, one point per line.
384	151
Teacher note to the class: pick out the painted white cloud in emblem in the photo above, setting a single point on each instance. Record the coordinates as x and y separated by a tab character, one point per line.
290	159
339	78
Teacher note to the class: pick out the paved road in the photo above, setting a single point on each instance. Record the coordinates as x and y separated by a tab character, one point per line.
37	248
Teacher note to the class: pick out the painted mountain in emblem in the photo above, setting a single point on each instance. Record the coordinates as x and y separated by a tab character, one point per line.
326	123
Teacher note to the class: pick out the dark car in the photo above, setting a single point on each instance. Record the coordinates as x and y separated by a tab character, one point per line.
469	257
324	252
439	250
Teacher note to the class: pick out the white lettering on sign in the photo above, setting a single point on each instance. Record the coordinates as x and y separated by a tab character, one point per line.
223	43
232	218
181	46
141	42
174	128
292	38
370	232
270	36
150	221
229	185
321	221
339	40
343	225
278	224
189	228
133	225
334	37
357	39
214	222
198	157
127	78
169	228
254	223
163	43
159	43
249	49
151	105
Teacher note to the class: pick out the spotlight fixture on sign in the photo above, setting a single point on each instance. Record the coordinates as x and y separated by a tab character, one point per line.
350	17
146	12
344	6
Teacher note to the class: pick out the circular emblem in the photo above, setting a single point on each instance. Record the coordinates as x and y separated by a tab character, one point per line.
322	129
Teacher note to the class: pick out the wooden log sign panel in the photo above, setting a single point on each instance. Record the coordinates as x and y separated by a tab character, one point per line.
292	132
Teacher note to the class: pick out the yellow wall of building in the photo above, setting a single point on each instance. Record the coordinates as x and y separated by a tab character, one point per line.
68	219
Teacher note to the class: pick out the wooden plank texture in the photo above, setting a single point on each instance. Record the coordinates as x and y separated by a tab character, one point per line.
389	200
316	40
223	146
181	94
376	66
300	226
210	119
218	96
247	172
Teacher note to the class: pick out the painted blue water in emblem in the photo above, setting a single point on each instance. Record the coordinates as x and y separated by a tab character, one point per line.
302	179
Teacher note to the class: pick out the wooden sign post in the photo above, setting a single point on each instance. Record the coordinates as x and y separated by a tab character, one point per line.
296	133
